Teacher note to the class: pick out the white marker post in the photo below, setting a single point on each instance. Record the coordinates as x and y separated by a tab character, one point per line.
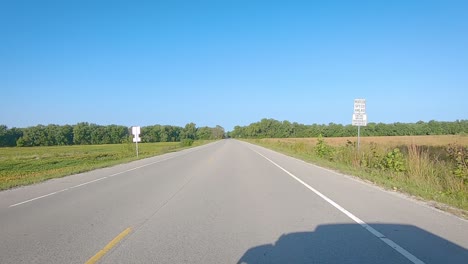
359	117
136	137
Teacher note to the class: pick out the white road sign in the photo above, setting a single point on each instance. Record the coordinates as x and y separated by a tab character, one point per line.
359	120
136	137
359	117
359	106
136	130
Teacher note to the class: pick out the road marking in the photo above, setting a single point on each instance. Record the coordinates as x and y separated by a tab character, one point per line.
109	246
110	176
376	233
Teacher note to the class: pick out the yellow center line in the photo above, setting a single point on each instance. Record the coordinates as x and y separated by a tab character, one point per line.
109	246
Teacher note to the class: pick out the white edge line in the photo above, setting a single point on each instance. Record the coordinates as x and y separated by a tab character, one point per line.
33	199
373	231
407	197
105	177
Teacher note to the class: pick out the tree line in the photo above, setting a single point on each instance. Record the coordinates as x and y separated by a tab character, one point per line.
87	133
90	134
271	128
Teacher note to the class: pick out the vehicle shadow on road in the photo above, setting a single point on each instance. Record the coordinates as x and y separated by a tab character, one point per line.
351	243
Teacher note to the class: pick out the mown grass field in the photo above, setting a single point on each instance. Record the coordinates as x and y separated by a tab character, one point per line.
430	167
29	165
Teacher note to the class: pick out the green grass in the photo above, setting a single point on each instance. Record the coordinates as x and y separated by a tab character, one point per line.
426	173
29	165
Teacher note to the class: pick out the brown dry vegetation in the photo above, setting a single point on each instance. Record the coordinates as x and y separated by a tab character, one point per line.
441	140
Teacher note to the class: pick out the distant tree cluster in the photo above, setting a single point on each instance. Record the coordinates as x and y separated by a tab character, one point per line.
271	128
159	133
92	134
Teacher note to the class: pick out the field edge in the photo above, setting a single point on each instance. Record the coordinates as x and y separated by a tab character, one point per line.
347	172
44	177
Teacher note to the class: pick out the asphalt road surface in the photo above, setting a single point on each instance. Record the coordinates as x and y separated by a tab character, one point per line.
226	202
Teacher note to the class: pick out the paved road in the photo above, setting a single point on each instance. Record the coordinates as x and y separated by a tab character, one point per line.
226	202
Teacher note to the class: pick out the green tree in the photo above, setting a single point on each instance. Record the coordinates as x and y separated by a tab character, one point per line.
204	133
217	132
64	135
82	134
189	131
8	137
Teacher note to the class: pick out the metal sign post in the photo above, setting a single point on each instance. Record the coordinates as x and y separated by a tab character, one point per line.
358	137
136	137
359	117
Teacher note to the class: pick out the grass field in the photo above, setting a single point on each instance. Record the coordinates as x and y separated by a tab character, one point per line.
28	165
442	140
430	167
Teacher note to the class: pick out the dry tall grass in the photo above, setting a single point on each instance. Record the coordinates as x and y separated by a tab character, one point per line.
439	140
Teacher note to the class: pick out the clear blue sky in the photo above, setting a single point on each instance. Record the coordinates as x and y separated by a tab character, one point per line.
231	62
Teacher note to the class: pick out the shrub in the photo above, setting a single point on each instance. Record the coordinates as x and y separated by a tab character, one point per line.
459	156
186	142
394	160
322	149
372	158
